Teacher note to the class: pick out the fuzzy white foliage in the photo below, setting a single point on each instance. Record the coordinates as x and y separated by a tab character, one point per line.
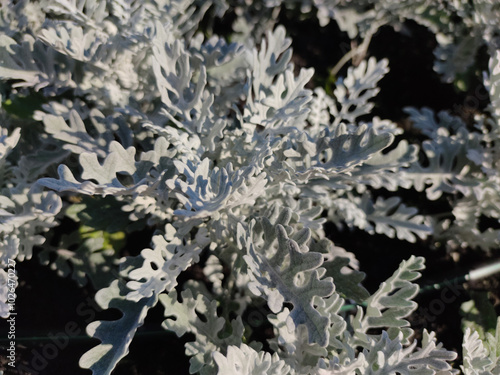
390	304
386	356
7	143
279	283
171	255
204	193
103	358
392	218
481	356
208	331
246	361
225	146
493	83
353	92
449	169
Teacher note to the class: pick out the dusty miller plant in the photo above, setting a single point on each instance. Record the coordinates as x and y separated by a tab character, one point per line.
141	122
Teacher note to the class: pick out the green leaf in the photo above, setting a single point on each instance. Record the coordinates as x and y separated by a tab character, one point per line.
99	213
24	106
479	314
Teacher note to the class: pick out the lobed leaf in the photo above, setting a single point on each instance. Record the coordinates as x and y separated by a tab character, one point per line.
275	278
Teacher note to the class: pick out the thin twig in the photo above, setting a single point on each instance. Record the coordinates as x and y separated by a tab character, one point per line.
358	52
